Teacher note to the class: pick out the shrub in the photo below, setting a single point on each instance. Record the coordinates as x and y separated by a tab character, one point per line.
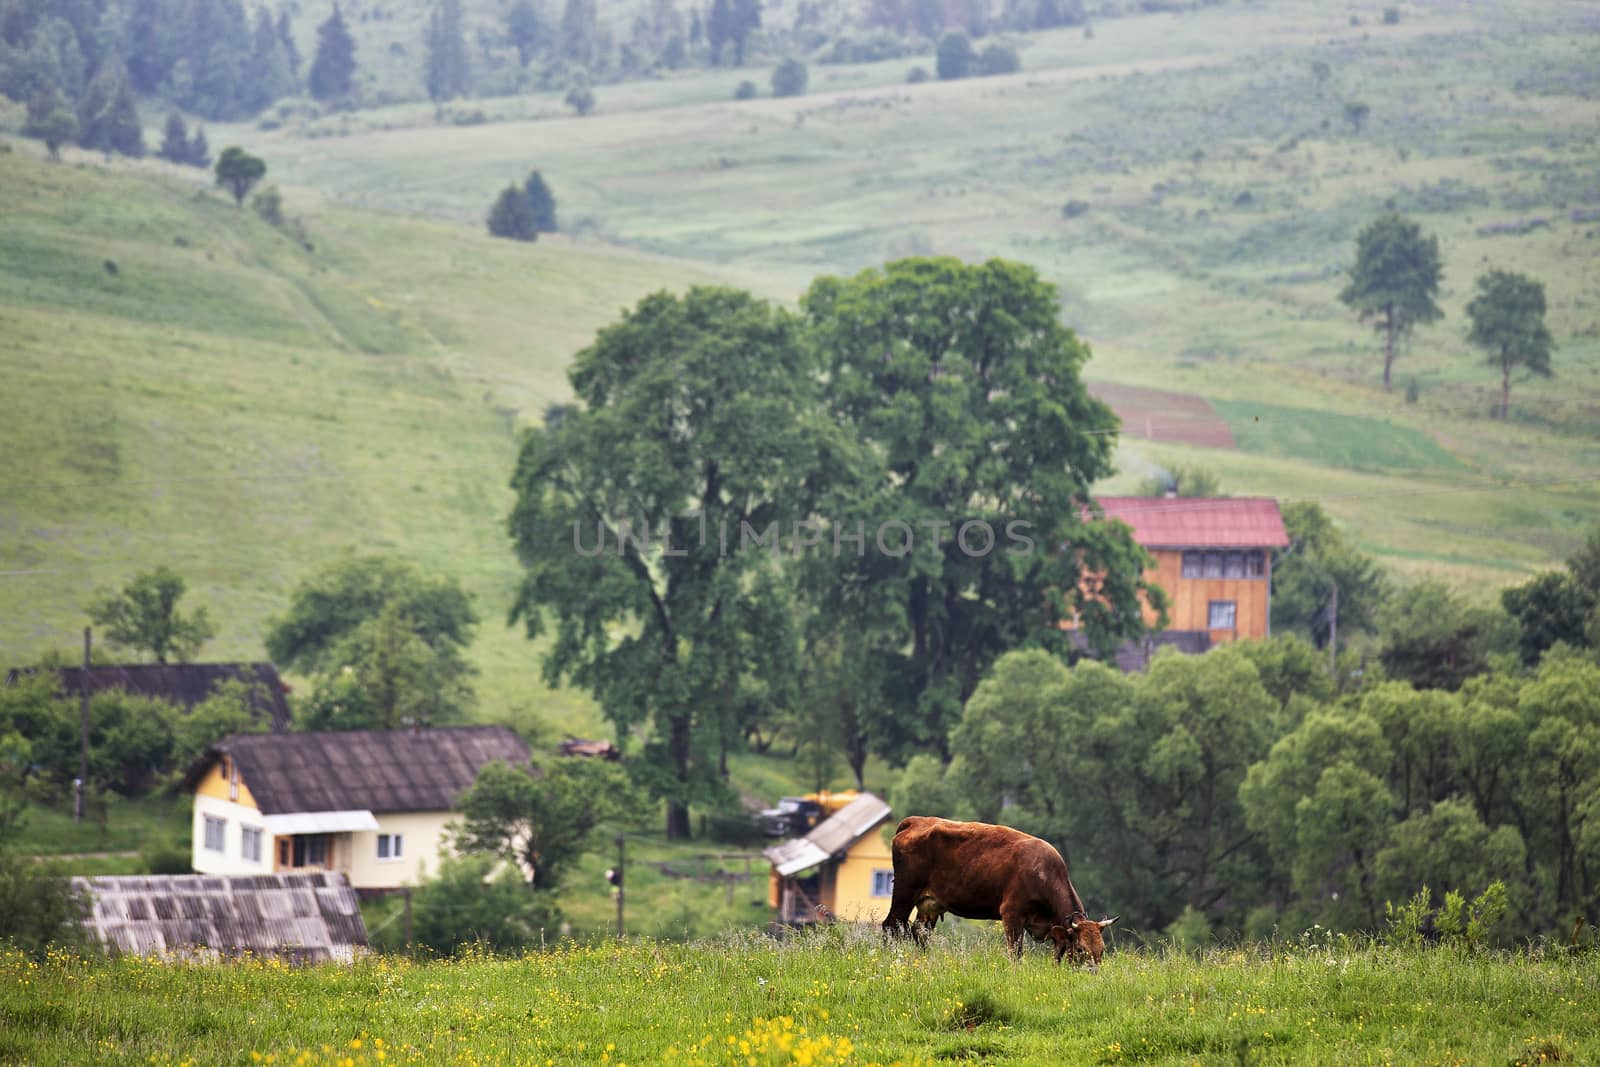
789	78
1391	16
999	59
1073	208
955	56
916	75
746	91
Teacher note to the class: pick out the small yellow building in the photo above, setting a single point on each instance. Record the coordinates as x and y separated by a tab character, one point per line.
370	804
843	864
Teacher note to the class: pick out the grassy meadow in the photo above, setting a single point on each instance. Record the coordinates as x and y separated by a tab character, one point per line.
187	385
840	997
1218	189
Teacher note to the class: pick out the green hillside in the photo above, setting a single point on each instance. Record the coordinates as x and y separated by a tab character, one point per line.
186	385
1216	186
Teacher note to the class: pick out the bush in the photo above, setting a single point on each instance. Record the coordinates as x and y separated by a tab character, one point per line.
789	78
955	56
999	59
460	909
916	75
38	906
746	91
1073	208
1391	16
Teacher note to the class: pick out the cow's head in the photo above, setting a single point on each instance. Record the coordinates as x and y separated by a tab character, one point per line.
1080	937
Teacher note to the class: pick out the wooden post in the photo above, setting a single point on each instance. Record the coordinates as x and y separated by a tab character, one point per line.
83	723
1333	633
620	890
408	917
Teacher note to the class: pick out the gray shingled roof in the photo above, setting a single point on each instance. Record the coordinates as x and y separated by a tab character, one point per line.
181	684
363	770
302	917
833	835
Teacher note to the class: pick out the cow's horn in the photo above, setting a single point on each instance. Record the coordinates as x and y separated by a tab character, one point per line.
1107	922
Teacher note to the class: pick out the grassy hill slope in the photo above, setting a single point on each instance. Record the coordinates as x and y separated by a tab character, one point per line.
1217	189
186	385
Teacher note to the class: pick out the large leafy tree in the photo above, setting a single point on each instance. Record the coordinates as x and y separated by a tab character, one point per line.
384	640
1559	606
545	819
963	388
637	516
525	29
1508	323
143	615
1394	281
238	172
334	66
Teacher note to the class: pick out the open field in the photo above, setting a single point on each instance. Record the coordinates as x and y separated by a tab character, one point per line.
242	410
833	999
1218	188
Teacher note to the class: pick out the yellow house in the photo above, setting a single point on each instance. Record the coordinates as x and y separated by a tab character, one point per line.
843	864
370	804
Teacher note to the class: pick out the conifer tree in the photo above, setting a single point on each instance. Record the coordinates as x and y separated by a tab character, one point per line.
541	203
270	77
175	140
447	74
218	52
291	51
107	116
511	217
333	69
50	120
525	29
199	151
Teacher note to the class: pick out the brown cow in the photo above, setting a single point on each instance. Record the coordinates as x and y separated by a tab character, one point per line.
981	871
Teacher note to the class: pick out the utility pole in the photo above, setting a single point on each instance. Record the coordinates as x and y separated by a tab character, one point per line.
1333	632
407	892
619	887
82	784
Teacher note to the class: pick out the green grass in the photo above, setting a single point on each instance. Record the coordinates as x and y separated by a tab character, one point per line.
840	997
1329	439
243	410
1161	123
117	825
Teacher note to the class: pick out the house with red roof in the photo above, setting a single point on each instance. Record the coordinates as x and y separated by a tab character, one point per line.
1213	558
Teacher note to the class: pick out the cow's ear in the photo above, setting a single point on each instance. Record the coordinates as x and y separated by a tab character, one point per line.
1107	922
1061	934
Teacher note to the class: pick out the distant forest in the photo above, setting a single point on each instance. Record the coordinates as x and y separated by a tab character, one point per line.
93	60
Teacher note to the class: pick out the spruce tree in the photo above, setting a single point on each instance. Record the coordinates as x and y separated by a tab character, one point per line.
270	77
175	140
199	151
218	53
524	29
107	117
291	51
511	217
446	75
541	203
333	69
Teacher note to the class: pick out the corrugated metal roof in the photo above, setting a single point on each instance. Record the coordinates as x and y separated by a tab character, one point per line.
830	837
303	917
363	770
1199	522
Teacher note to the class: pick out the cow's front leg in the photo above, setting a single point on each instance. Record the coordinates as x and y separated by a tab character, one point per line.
1015	928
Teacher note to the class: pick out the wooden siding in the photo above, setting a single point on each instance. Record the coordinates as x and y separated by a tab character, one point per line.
1189	599
216	784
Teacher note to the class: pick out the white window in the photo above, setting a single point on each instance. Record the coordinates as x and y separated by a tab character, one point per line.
216	833
1194	564
883	883
250	843
1223	614
391	846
